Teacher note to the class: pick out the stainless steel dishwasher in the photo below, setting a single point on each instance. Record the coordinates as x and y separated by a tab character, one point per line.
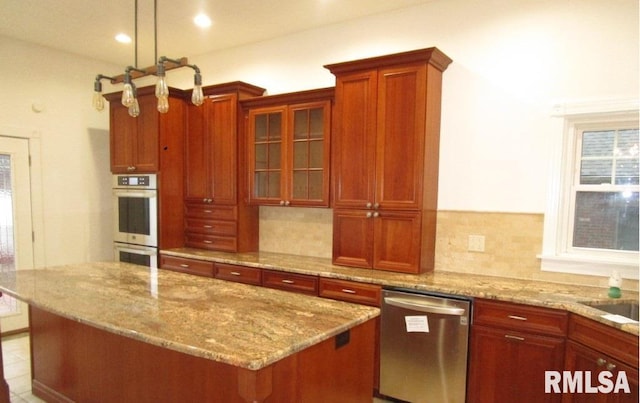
424	339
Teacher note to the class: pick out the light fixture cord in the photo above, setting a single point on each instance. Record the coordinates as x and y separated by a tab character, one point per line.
155	29
135	33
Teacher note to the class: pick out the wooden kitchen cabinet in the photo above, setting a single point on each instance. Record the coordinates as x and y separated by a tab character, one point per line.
596	347
153	142
135	142
511	347
238	274
385	148
216	215
189	266
300	283
288	139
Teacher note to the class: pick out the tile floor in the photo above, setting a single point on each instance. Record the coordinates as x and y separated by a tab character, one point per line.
17	370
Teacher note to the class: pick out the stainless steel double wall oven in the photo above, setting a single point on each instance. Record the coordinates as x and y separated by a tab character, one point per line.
135	204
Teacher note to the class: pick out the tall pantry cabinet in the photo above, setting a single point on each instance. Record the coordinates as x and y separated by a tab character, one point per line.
386	133
217	216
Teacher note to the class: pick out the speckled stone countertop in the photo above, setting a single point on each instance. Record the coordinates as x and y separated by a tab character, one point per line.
242	325
572	298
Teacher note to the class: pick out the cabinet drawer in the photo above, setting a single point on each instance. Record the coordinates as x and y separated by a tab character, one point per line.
290	282
211	212
213	227
350	291
616	343
212	242
520	317
190	266
240	274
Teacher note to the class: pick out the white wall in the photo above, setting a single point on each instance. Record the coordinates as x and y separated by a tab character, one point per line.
513	59
73	186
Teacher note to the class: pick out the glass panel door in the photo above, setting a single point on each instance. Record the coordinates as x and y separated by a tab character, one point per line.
308	153
16	248
267	142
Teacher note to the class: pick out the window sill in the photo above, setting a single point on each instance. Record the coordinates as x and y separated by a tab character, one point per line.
589	266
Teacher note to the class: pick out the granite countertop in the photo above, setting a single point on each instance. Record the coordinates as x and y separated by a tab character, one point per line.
242	325
572	298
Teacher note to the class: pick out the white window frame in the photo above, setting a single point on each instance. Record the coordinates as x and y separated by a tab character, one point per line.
557	254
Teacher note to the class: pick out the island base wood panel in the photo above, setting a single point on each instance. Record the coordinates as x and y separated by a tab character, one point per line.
72	361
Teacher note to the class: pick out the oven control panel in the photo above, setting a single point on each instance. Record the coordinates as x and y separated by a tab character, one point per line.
135	181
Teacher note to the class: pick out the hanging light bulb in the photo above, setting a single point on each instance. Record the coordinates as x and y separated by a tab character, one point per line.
127	91
162	89
163	104
197	97
134	109
98	100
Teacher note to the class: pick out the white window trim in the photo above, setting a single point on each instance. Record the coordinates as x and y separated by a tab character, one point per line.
556	255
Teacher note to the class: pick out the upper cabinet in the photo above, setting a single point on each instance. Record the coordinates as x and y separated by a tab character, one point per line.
386	133
216	215
136	142
288	145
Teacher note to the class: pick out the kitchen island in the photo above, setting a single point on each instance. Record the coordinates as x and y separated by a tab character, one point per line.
121	332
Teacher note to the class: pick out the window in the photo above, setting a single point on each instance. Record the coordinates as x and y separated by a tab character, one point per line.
591	224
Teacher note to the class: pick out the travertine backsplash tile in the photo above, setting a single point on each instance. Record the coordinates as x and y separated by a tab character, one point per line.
295	230
512	242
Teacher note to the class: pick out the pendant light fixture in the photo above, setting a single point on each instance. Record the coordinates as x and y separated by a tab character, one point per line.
129	94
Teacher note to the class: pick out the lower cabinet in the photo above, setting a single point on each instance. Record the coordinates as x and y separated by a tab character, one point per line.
300	283
239	274
511	347
593	348
189	266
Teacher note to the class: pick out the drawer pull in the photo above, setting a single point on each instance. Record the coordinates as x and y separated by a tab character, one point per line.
207	211
235	273
207	241
186	266
517	317
207	226
288	281
509	336
348	291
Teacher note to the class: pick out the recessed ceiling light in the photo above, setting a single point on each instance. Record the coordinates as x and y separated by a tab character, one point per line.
202	20
123	38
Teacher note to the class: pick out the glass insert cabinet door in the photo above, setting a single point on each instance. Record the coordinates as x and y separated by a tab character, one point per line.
291	154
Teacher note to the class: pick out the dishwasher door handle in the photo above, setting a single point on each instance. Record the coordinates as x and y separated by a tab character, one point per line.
423	307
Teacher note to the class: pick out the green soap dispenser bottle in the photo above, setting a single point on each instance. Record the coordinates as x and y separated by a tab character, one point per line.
614	285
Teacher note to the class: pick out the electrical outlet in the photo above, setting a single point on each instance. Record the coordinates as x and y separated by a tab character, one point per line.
476	243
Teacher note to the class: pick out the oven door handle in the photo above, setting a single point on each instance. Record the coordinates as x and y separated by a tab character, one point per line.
135	193
141	251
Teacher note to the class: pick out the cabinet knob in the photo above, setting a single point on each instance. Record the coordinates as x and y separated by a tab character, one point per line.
369	205
286	203
376	214
131	168
611	367
369	214
601	361
376	205
282	202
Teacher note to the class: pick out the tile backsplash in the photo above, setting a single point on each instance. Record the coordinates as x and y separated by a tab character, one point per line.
511	242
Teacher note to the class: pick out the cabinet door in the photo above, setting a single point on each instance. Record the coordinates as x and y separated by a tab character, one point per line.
146	138
353	144
123	129
223	136
509	366
400	136
197	184
353	238
397	241
582	358
309	149
267	128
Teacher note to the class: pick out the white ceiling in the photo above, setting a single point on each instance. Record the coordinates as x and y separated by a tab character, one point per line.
88	27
